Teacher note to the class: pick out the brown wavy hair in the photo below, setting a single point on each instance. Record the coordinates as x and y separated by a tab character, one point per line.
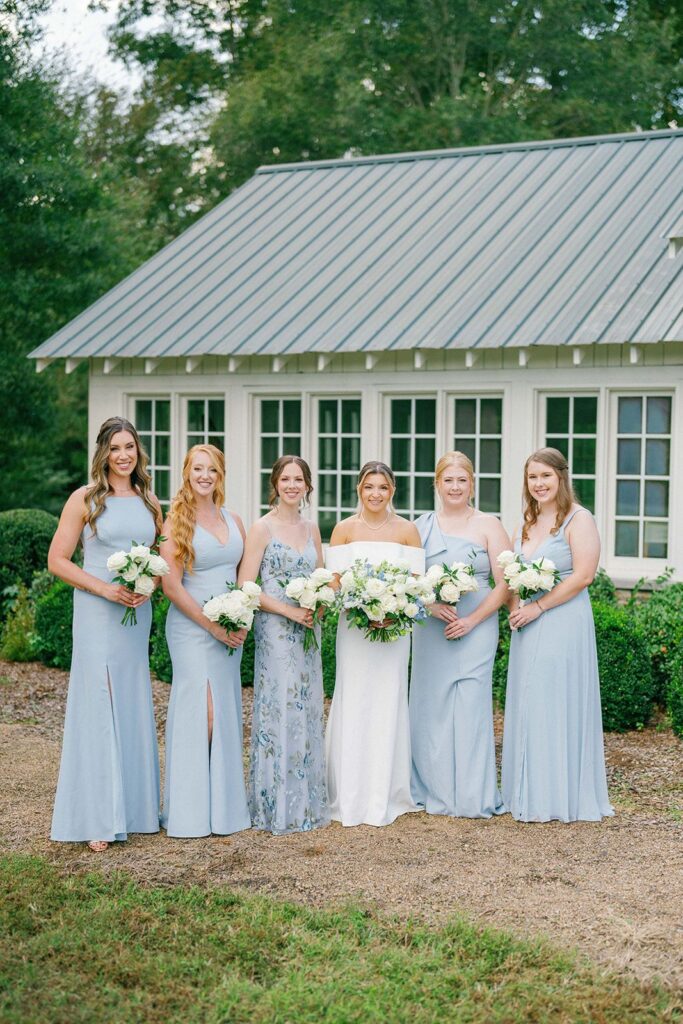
183	514
565	494
140	478
279	468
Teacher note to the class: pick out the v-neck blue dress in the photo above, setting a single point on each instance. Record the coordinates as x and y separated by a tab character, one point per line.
553	752
451	708
204	788
287	790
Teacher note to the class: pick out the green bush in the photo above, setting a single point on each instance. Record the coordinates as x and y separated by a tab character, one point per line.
247	666
159	657
674	694
602	589
25	536
328	650
53	619
500	665
627	687
17	636
660	619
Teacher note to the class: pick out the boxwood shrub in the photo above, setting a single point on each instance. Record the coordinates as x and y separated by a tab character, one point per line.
25	536
159	657
53	624
674	694
627	686
602	589
660	619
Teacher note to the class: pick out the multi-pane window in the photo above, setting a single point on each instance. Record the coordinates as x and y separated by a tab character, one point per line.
153	424
413	453
478	434
643	476
339	426
571	425
280	435
206	422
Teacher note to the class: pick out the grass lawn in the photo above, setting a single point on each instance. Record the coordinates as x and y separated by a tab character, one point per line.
85	948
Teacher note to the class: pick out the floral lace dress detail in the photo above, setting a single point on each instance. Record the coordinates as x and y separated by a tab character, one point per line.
287	791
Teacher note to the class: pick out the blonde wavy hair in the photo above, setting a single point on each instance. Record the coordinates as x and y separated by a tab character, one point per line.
140	479
370	469
455	458
565	494
183	514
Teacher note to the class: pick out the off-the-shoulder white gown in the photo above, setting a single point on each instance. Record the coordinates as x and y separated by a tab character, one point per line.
368	731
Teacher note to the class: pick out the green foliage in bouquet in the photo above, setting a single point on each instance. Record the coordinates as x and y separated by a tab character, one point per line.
159	656
660	619
53	621
627	687
25	535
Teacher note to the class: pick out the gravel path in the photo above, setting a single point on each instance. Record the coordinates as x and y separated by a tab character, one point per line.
614	890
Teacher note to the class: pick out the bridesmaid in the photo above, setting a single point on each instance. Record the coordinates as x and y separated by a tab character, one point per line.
204	788
109	775
553	756
287	790
451	712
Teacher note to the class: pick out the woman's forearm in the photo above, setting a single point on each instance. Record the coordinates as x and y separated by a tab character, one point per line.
564	591
185	603
72	574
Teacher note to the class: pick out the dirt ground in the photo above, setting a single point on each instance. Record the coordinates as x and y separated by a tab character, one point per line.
614	890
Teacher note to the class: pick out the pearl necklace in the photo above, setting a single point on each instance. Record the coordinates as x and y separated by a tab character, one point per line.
363	520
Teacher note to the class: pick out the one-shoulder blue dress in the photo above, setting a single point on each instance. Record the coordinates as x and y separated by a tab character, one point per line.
287	790
204	788
553	752
451	710
109	774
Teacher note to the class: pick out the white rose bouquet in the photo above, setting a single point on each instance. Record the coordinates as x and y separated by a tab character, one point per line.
385	593
311	592
135	570
450	582
235	608
528	578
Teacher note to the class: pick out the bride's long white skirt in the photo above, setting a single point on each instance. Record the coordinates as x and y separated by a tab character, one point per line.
368	731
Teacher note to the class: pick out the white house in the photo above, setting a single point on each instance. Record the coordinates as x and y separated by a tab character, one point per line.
492	299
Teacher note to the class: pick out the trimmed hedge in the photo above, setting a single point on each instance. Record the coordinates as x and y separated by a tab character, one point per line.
25	536
660	619
627	686
54	613
674	694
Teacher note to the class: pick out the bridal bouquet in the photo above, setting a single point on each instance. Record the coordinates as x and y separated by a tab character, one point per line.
312	592
235	608
135	570
528	578
450	582
384	593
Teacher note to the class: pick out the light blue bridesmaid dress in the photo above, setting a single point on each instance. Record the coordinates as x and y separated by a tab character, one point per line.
553	754
109	774
287	790
204	789
451	710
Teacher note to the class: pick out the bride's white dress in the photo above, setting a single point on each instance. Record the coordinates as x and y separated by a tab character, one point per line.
368	731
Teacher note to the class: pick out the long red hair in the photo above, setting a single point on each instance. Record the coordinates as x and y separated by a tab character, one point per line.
183	515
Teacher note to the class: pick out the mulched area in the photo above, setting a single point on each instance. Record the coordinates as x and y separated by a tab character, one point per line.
614	890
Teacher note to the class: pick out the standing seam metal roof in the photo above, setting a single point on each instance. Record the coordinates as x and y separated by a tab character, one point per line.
547	243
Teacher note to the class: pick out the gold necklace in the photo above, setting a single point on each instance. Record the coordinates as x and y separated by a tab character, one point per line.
363	520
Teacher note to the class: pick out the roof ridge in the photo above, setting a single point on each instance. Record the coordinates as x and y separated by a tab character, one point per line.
502	147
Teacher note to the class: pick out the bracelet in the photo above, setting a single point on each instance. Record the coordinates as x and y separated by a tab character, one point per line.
539	605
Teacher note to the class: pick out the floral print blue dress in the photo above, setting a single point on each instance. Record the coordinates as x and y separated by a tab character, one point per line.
287	791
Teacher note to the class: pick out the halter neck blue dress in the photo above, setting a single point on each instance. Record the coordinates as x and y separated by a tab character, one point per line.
451	707
109	775
553	753
204	789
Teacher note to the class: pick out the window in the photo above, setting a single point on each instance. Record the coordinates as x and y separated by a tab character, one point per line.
413	453
280	435
478	434
153	424
206	422
571	423
642	496
339	426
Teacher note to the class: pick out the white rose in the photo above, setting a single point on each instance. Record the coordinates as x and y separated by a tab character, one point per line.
326	595
429	597
389	603
322	575
212	609
545	565
117	561
529	578
411	609
144	585
296	587
251	589
450	593
547	581
434	572
399	589
247	617
413	586
506	558
158	566
375	587
308	599
511	570
347	582
140	552
374	612
132	573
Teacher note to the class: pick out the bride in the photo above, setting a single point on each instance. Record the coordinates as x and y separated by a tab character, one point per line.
368	730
